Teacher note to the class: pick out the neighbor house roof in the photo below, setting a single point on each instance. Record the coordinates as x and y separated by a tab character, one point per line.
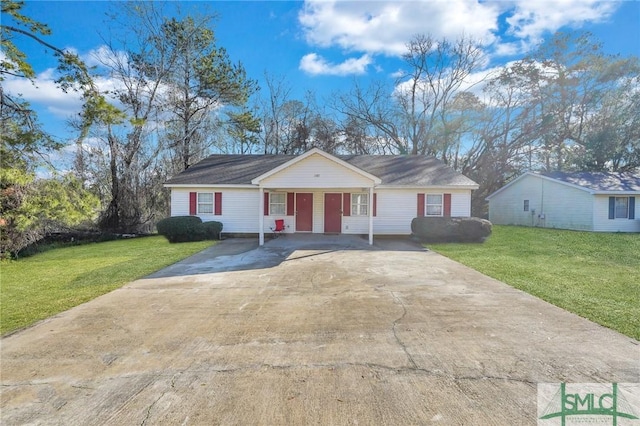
600	181
393	170
592	182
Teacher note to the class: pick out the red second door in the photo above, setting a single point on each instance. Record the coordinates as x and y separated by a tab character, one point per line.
332	213
304	212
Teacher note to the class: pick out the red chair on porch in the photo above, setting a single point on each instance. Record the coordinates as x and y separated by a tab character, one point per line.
279	228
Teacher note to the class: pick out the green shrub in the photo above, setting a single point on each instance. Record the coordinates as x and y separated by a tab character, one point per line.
212	230
451	229
178	229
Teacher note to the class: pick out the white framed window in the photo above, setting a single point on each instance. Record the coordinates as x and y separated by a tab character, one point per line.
277	203
434	205
360	204
622	208
526	205
205	202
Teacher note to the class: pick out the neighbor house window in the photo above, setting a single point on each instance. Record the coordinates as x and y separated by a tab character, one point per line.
526	205
434	204
360	204
277	203
205	202
622	207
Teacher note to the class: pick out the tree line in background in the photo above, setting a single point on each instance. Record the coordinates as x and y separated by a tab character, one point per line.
176	97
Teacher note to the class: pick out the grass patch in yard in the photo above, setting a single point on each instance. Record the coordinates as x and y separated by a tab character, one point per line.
45	284
595	275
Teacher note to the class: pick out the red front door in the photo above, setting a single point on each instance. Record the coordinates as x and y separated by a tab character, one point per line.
304	212
332	213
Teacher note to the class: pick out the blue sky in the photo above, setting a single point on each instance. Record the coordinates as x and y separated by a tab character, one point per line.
324	45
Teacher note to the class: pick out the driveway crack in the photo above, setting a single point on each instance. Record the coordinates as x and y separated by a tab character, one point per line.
395	331
371	366
172	387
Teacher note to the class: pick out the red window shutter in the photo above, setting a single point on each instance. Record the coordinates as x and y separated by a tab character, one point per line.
290	204
420	205
375	203
266	204
218	204
447	205
193	203
346	204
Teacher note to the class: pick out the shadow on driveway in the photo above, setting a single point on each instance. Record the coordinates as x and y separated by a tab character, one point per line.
241	254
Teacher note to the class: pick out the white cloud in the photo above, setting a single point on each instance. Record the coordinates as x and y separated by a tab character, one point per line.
45	91
317	65
384	27
44	94
104	56
398	73
530	20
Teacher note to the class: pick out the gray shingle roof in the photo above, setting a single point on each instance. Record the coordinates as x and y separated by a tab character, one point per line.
600	181
408	170
401	170
229	169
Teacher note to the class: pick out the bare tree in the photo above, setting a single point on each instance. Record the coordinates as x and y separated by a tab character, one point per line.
498	144
373	108
570	76
271	113
412	113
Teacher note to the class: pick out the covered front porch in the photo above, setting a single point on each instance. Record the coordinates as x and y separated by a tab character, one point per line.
317	193
318	211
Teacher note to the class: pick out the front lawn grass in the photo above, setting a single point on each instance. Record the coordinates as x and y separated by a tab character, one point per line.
594	275
45	284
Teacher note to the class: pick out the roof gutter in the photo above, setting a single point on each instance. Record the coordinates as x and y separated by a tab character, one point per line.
208	185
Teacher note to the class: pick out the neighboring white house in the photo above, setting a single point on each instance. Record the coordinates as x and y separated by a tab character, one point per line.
320	193
589	201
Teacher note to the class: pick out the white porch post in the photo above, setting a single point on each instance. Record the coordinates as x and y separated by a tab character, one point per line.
261	218
371	215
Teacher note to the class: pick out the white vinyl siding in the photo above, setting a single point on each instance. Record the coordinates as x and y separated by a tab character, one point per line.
179	202
551	205
556	205
395	208
239	207
318	211
318	172
602	223
460	203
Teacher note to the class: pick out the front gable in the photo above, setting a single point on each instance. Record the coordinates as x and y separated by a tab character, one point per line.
531	179
316	169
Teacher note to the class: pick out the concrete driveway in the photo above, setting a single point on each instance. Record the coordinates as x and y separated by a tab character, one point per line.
320	331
